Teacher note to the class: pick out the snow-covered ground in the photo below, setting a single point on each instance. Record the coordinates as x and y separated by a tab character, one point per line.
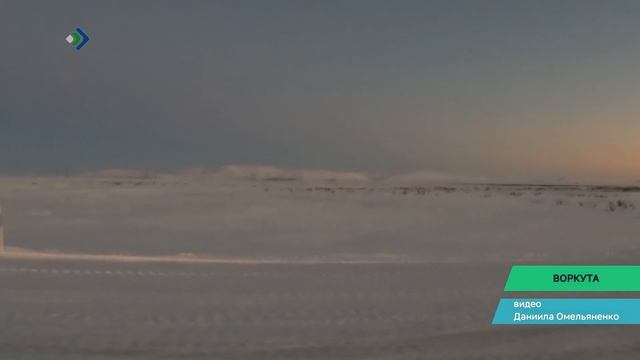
214	216
270	267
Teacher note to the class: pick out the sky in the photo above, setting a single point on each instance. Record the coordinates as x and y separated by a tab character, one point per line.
501	89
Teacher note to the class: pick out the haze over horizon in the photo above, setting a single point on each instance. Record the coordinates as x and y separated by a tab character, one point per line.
525	90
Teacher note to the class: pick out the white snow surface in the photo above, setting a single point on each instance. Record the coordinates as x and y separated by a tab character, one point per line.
227	216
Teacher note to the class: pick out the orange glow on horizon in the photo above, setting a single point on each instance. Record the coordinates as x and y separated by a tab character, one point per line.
596	151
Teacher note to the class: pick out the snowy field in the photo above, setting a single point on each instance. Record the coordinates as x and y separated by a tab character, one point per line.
297	219
306	269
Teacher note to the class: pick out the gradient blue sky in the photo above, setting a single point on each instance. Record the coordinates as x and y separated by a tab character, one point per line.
536	89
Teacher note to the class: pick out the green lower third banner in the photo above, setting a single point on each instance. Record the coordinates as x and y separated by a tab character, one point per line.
570	278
